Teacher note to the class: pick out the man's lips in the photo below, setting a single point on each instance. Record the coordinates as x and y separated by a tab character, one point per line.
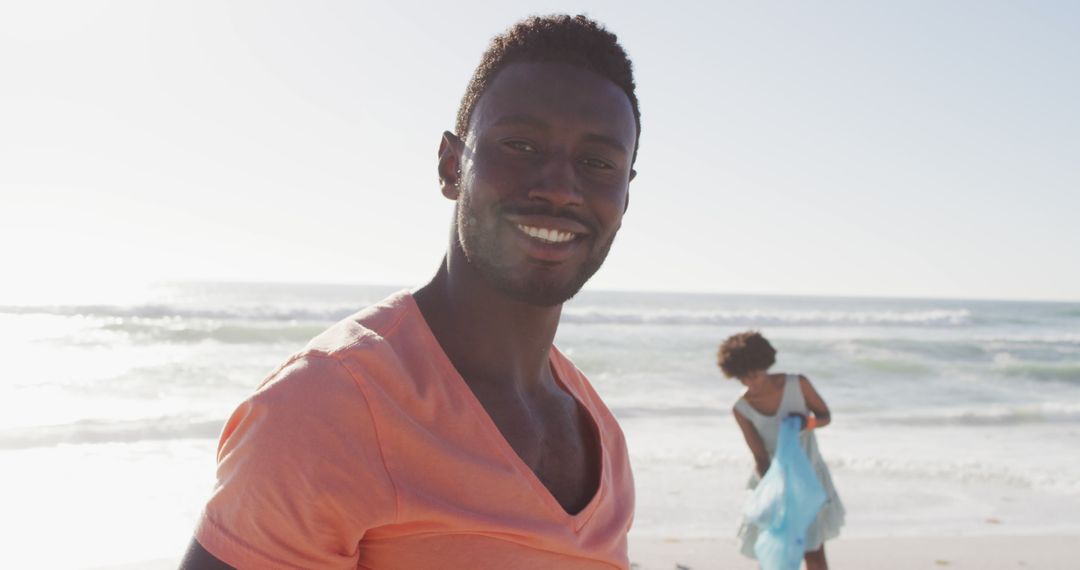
549	229
550	238
547	235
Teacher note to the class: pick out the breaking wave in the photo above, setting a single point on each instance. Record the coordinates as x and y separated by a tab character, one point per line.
248	313
934	317
990	416
101	431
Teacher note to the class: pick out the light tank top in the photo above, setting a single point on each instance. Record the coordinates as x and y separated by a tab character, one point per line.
768	426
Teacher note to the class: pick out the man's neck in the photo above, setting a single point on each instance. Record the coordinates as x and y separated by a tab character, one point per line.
492	339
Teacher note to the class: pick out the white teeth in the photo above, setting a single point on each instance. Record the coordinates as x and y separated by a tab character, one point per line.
545	234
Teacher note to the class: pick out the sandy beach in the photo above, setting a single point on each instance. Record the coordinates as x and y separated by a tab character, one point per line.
896	553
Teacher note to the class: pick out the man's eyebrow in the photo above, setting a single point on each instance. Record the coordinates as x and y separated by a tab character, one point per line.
531	121
607	141
527	120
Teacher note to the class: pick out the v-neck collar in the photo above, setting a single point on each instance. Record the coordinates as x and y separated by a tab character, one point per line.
779	406
487	424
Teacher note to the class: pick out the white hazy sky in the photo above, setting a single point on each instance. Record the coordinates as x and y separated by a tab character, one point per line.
917	148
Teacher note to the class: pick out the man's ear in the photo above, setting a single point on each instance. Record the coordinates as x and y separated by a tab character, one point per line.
450	148
626	206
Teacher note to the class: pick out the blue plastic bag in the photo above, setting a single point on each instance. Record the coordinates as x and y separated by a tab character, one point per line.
785	502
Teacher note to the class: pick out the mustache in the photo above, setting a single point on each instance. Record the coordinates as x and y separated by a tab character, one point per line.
549	211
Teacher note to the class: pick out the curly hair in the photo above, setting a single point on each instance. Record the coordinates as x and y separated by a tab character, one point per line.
574	40
744	353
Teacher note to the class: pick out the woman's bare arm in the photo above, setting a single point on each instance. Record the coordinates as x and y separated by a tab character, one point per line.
815	402
753	440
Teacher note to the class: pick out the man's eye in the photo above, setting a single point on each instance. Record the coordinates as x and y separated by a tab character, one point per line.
597	163
520	146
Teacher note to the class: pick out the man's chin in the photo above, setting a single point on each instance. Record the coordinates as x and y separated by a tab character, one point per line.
539	294
546	298
531	284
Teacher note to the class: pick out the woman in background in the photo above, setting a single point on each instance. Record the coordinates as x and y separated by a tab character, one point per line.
768	399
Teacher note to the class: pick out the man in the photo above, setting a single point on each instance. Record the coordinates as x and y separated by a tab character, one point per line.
442	429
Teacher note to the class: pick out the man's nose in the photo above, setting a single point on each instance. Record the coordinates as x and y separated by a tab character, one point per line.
558	183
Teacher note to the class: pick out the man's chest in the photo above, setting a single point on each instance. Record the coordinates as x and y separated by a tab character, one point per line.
561	447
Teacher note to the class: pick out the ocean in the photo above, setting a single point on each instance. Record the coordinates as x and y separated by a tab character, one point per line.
951	417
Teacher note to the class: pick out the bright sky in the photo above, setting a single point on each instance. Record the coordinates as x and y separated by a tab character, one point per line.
916	148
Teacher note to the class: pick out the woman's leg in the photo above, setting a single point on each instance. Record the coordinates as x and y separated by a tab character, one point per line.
815	560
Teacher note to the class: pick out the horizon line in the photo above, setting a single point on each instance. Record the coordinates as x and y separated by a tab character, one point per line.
866	296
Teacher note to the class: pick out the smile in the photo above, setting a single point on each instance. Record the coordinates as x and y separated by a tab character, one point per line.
546	235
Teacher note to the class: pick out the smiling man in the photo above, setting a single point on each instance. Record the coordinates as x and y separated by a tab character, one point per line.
441	428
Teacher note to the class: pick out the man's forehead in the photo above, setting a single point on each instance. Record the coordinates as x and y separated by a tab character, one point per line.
540	94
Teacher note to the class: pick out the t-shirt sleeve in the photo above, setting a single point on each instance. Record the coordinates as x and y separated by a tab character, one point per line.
301	476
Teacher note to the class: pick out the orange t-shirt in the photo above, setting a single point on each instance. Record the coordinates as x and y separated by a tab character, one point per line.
368	450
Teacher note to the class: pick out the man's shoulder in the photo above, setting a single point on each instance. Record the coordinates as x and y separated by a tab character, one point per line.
366	329
369	334
366	326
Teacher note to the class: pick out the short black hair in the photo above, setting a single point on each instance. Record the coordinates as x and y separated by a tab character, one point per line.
744	353
558	38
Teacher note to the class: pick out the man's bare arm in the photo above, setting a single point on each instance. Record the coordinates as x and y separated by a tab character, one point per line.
197	558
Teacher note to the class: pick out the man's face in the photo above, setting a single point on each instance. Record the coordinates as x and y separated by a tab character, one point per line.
545	172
